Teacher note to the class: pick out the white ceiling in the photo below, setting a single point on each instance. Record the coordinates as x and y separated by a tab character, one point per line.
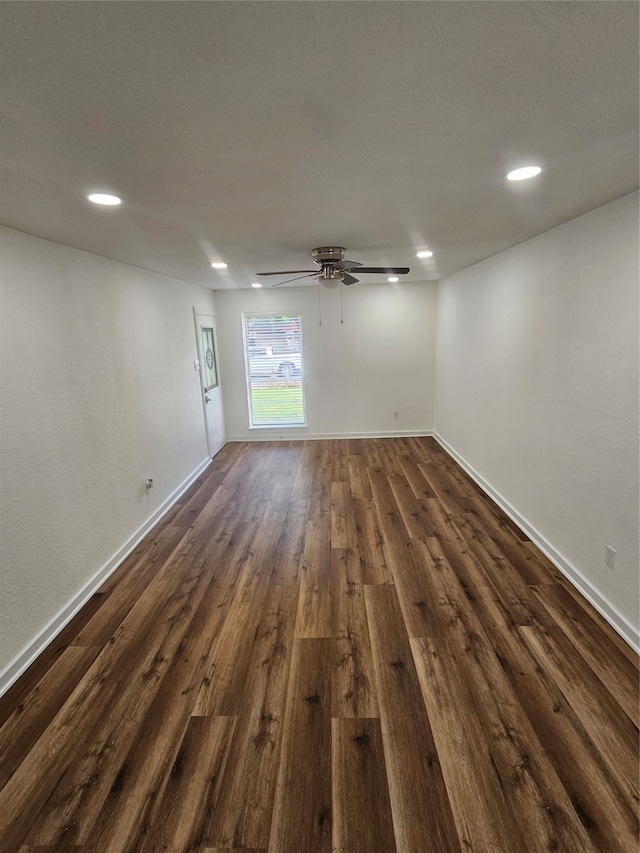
256	131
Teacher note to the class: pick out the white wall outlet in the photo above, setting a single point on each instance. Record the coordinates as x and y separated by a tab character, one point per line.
196	365
149	484
395	413
610	557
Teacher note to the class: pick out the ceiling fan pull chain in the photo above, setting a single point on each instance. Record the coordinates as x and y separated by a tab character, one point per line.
341	309
319	306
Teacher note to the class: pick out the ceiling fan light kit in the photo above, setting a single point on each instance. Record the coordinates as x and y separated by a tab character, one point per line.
333	269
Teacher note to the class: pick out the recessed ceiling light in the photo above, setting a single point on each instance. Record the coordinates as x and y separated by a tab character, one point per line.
524	173
105	198
424	253
393	279
255	284
218	265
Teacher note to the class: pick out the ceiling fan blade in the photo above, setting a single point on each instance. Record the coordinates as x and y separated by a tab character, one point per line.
346	265
287	272
297	278
385	270
348	279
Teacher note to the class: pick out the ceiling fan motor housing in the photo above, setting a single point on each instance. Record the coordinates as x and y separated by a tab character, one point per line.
326	255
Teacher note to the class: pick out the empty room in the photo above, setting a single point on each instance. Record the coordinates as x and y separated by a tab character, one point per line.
319	434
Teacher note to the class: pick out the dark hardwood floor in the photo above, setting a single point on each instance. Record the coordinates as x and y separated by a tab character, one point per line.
327	646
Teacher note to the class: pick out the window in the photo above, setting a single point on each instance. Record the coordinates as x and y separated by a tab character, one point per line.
209	351
275	373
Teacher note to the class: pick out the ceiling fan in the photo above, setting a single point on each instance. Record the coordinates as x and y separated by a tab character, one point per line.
333	269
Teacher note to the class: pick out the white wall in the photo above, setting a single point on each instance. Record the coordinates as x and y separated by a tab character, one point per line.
98	393
357	373
537	391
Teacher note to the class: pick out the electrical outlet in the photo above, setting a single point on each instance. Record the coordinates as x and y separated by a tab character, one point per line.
610	557
395	413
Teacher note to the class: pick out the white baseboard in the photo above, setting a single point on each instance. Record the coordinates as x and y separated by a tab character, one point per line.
15	669
621	625
273	434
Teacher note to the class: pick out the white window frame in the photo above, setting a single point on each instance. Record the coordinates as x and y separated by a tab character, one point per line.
279	424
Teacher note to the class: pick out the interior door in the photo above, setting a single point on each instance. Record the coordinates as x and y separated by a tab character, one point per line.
207	338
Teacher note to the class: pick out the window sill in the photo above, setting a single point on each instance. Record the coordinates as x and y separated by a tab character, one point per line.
280	426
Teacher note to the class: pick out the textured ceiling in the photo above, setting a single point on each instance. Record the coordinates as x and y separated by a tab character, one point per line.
256	131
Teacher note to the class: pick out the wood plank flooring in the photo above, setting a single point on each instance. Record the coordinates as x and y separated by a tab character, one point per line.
327	646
